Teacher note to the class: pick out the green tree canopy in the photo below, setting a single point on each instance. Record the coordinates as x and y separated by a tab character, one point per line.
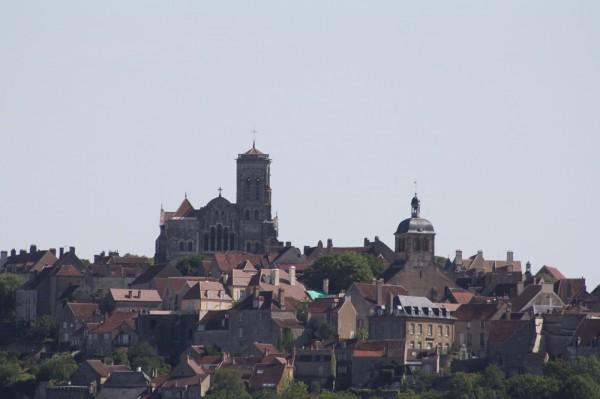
228	384
341	269
144	355
9	283
190	265
42	329
578	386
58	368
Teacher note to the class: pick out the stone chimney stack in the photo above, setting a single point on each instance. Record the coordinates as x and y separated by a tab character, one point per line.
509	256
379	290
458	258
61	251
281	298
53	251
72	250
366	242
13	252
329	243
292	273
480	252
32	249
326	285
275	276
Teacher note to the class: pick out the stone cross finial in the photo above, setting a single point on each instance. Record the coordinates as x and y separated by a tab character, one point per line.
220	190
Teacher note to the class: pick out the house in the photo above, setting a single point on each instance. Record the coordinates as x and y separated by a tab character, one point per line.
571	290
135	300
426	327
511	341
549	274
226	261
336	312
206	295
73	319
365	296
188	380
316	366
93	373
238	279
114	271
290	256
125	385
172	289
537	299
213	329
558	332
144	280
459	295
264	317
118	330
472	327
383	362
275	374
169	332
376	248
586	340
26	264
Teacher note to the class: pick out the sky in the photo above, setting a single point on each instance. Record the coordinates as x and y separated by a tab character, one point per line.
108	109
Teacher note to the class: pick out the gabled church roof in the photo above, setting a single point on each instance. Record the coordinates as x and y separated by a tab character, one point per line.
184	209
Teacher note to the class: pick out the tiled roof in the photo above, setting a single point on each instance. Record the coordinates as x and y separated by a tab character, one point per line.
166	270
184	209
552	271
478	262
501	330
588	332
84	311
263	280
570	289
475	311
207	289
326	304
104	370
183	381
127	379
266	375
460	295
214	320
368	291
229	260
115	321
530	292
68	271
134	295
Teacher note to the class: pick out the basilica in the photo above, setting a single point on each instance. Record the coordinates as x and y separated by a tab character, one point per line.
220	225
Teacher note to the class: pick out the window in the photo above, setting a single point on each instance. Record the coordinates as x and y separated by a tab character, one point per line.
257	191
429	347
241	332
247	192
482	324
420	329
190	246
482	340
425	244
401	245
469	339
411	329
417	244
430	330
247	215
447	331
181	246
412	344
256	214
419	345
248	247
439	331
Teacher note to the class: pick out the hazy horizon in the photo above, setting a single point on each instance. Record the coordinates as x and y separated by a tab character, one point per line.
108	110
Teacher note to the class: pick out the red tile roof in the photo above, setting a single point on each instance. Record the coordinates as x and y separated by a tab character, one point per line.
501	330
184	209
84	311
115	321
68	271
460	295
326	304
552	271
135	295
229	260
475	311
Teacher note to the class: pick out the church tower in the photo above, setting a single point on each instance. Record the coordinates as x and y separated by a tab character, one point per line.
257	229
415	238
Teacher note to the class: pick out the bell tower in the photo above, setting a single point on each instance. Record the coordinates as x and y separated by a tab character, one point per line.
254	200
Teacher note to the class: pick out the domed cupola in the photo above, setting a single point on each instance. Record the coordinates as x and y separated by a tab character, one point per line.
415	234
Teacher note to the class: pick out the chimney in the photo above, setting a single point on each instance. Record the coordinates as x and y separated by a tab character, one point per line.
288	244
480	252
22	252
329	243
458	261
72	250
62	251
292	273
275	276
281	298
528	267
32	249
320	244
139	369
379	291
509	256
376	238
52	251
326	285
13	252
306	249
366	242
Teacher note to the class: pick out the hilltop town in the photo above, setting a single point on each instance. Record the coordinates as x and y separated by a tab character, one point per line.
225	309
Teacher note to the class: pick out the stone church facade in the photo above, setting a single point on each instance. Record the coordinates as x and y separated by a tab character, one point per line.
220	225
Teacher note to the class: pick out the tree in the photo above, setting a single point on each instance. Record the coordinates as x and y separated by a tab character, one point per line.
577	386
42	329
58	368
526	386
265	394
190	265
144	355
341	269
286	341
296	390
9	283
120	357
10	369
464	386
228	384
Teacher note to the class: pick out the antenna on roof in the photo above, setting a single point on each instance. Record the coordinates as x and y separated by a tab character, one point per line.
254	138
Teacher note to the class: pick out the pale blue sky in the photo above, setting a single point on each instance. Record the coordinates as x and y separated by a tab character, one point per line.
109	108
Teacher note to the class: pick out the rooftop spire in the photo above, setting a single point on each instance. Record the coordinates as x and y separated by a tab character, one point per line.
253	139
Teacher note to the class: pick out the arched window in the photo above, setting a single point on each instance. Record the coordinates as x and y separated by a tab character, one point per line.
190	246
257	247
181	246
219	237
247	215
425	244
247	193
225	239
417	244
248	247
257	189
256	214
213	237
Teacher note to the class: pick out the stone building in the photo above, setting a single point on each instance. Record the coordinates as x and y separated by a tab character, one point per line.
414	265
222	225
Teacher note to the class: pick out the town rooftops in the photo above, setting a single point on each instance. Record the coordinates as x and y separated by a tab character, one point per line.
134	295
84	311
127	379
104	370
475	311
551	271
368	291
114	322
414	306
459	295
207	289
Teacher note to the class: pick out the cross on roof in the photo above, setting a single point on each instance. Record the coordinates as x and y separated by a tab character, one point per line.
220	191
